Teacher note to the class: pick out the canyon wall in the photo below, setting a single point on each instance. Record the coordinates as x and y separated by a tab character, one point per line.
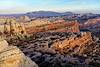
56	27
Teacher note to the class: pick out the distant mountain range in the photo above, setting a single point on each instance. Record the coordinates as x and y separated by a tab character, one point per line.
48	13
51	13
40	14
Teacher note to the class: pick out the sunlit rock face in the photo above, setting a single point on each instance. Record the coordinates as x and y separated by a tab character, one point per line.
11	56
14	28
4	19
74	44
72	26
3	45
24	19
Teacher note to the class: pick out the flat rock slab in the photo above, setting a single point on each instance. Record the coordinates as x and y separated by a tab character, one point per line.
11	56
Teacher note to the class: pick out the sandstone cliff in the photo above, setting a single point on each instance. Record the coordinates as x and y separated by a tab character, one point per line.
72	26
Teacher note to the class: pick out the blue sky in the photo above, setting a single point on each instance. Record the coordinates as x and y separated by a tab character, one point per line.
23	6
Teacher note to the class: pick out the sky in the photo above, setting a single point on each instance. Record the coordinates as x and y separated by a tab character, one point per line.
23	6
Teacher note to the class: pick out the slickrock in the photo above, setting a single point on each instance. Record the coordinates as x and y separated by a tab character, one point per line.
3	45
11	56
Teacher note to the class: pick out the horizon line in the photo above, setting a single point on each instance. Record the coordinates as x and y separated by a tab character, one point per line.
78	12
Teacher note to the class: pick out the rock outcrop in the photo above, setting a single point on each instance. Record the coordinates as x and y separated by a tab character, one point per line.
24	19
74	43
81	51
91	24
71	26
39	48
14	28
11	56
3	45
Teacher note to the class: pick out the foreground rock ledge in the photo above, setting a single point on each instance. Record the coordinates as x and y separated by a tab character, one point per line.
11	56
